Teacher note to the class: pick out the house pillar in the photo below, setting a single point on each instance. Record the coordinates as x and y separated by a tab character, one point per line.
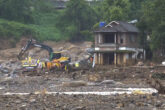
99	57
99	39
102	61
115	58
144	55
95	58
115	38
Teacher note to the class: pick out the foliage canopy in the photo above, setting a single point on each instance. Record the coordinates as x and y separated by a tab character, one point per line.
77	18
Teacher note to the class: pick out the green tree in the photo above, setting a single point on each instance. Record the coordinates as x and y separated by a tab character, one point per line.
153	23
17	10
135	9
114	10
77	18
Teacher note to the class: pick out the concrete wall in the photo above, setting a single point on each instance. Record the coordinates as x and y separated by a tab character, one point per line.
129	40
98	39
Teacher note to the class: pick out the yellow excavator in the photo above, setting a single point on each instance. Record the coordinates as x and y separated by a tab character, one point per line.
56	60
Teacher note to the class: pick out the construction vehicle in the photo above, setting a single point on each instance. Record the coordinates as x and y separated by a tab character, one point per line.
55	58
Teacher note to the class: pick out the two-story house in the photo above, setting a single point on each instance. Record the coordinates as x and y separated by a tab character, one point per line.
117	43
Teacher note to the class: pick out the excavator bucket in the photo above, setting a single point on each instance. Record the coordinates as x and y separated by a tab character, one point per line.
24	49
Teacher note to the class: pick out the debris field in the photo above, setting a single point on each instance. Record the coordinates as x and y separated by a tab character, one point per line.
99	88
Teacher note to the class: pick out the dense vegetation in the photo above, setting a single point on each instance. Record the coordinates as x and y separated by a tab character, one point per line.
40	19
76	21
29	18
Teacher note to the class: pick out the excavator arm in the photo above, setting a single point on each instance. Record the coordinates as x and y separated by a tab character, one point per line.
32	43
25	48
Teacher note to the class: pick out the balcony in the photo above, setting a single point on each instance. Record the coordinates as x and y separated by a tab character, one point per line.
107	47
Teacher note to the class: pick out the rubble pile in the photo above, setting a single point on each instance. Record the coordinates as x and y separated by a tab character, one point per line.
10	67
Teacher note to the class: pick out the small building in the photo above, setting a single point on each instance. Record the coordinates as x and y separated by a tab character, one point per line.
117	43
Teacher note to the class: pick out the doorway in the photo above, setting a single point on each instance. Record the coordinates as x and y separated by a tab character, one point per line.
108	58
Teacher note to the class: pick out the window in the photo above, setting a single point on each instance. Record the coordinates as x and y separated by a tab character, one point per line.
132	38
109	38
121	40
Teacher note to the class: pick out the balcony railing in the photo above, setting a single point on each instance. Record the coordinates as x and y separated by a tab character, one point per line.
108	45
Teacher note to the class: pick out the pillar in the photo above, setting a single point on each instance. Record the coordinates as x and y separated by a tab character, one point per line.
115	59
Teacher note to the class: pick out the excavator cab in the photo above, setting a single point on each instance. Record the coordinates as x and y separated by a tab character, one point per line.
56	55
58	61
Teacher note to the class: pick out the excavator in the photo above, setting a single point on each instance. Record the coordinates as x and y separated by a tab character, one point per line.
56	60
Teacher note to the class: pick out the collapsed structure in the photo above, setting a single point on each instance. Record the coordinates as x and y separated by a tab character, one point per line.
117	43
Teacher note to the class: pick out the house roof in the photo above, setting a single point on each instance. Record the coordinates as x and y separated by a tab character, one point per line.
118	26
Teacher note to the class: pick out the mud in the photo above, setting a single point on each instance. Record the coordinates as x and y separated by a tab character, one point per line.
115	88
105	80
82	102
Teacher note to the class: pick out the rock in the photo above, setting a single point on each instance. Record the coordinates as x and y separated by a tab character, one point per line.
108	82
32	100
158	104
74	75
115	70
140	64
94	77
132	106
74	84
23	105
163	105
18	101
154	109
79	108
120	105
5	70
139	104
155	94
2	88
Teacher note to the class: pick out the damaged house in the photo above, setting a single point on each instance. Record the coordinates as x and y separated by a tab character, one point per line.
117	43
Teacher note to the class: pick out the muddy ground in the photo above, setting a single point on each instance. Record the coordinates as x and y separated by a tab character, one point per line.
82	102
104	80
51	90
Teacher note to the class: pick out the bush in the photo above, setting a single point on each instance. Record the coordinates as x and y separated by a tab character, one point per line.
14	29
